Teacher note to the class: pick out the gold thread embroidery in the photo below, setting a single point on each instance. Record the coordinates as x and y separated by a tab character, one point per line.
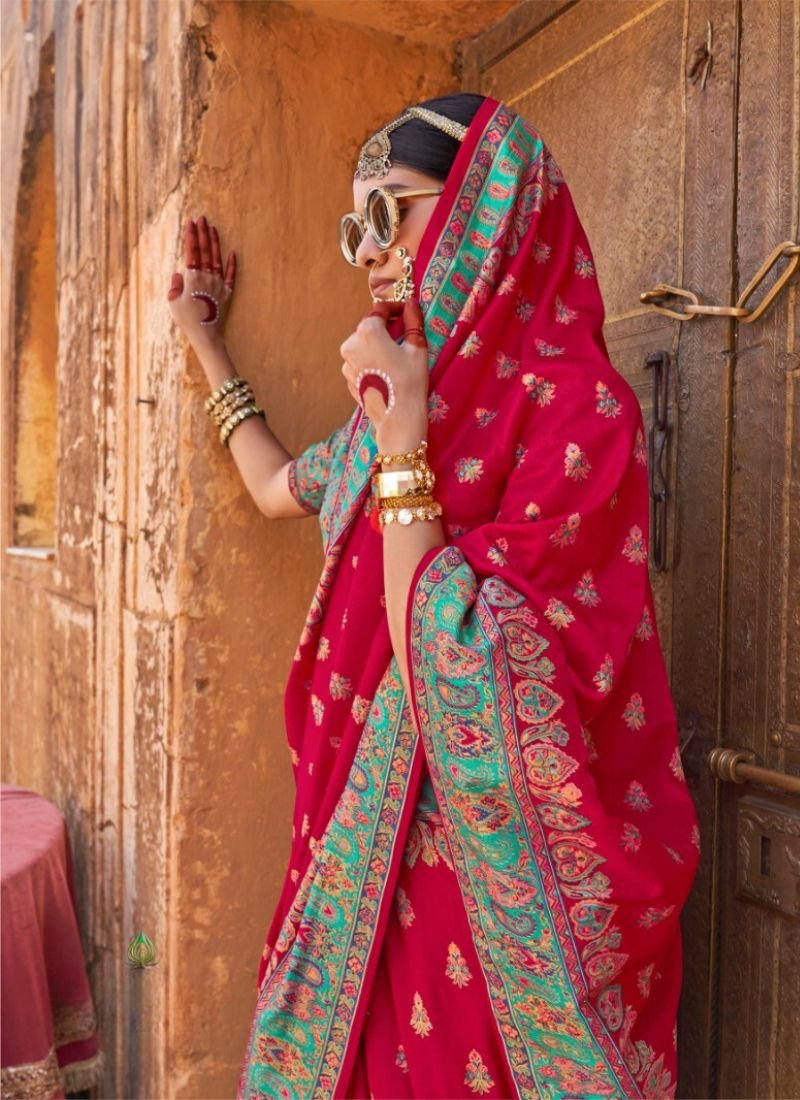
456	969
405	911
32	1081
420	1020
477	1076
73	1023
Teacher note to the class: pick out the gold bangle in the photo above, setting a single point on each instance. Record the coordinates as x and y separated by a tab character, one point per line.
405	516
230	404
422	472
420	477
233	383
235	419
404	456
407	501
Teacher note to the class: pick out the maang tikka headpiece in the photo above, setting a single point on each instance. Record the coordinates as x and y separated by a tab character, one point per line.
373	161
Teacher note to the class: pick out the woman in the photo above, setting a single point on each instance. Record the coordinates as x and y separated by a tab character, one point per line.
492	838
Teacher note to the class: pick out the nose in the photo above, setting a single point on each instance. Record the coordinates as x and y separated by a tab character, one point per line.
367	252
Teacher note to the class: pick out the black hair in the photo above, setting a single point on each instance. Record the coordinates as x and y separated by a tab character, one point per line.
418	145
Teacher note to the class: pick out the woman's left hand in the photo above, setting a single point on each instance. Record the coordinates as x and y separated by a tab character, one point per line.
371	348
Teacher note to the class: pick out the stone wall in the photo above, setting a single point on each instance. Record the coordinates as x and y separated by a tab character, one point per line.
145	656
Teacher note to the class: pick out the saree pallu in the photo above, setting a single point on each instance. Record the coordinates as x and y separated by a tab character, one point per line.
539	721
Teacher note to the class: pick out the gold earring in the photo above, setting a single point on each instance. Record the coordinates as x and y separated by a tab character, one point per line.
404	287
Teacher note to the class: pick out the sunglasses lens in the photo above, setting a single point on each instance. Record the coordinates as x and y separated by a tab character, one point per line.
379	217
350	236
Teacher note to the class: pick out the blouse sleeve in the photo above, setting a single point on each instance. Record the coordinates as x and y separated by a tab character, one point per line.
318	465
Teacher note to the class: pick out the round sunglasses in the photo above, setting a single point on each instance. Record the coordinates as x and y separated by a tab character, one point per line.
381	219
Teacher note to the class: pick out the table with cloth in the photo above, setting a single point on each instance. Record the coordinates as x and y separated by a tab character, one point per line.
49	1030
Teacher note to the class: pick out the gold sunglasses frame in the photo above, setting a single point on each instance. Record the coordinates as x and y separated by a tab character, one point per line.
365	225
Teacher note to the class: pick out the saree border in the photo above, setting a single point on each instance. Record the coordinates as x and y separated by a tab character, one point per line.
306	1024
555	1043
476	220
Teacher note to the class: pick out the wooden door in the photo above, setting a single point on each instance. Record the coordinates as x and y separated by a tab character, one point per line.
686	172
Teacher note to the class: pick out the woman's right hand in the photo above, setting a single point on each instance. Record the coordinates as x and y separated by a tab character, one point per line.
199	297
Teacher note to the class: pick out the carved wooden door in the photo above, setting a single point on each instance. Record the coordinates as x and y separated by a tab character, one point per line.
678	128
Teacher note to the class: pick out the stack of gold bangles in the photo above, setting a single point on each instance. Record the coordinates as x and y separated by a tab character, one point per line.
407	494
232	404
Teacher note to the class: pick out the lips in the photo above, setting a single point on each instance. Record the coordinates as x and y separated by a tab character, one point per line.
376	286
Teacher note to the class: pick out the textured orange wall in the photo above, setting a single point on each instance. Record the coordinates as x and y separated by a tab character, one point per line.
144	667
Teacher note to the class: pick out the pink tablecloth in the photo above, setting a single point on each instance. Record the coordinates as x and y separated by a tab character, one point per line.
48	1040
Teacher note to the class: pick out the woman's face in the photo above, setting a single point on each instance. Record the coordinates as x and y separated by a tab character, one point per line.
384	267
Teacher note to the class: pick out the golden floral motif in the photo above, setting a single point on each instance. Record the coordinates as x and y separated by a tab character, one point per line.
360	709
576	464
318	708
645	631
456	969
635	548
420	1020
558	613
405	912
604	677
340	686
426	838
607	404
634	713
565	315
477	1076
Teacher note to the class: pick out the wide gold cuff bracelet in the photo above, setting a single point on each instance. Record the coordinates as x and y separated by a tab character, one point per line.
395	483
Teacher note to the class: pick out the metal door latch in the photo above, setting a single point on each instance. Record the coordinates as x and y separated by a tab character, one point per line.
662	296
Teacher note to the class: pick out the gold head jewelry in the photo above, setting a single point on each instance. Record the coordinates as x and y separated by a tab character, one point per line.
373	160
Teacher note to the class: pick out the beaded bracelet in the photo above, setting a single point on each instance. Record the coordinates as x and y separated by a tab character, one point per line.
235	419
404	456
231	403
236	382
405	516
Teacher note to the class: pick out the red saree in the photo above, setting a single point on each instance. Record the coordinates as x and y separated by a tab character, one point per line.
485	881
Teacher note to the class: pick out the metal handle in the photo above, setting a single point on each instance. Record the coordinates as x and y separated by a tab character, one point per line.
736	766
662	291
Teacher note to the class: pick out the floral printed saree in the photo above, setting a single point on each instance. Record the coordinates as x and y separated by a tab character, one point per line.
485	880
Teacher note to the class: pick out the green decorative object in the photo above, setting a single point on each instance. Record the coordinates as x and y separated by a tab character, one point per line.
141	951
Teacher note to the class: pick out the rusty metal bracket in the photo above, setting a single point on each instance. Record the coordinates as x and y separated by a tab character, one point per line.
661	293
702	60
657	439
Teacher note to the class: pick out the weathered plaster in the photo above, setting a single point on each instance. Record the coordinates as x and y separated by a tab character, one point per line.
144	667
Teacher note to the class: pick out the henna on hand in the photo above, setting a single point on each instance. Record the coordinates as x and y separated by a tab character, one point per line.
202	281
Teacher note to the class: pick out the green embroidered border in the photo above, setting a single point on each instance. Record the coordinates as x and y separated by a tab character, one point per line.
519	926
305	1012
506	147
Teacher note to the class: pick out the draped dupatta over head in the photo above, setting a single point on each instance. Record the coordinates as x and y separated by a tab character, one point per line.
540	705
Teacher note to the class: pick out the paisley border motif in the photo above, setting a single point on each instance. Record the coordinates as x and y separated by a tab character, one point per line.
306	1016
504	145
556	1043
